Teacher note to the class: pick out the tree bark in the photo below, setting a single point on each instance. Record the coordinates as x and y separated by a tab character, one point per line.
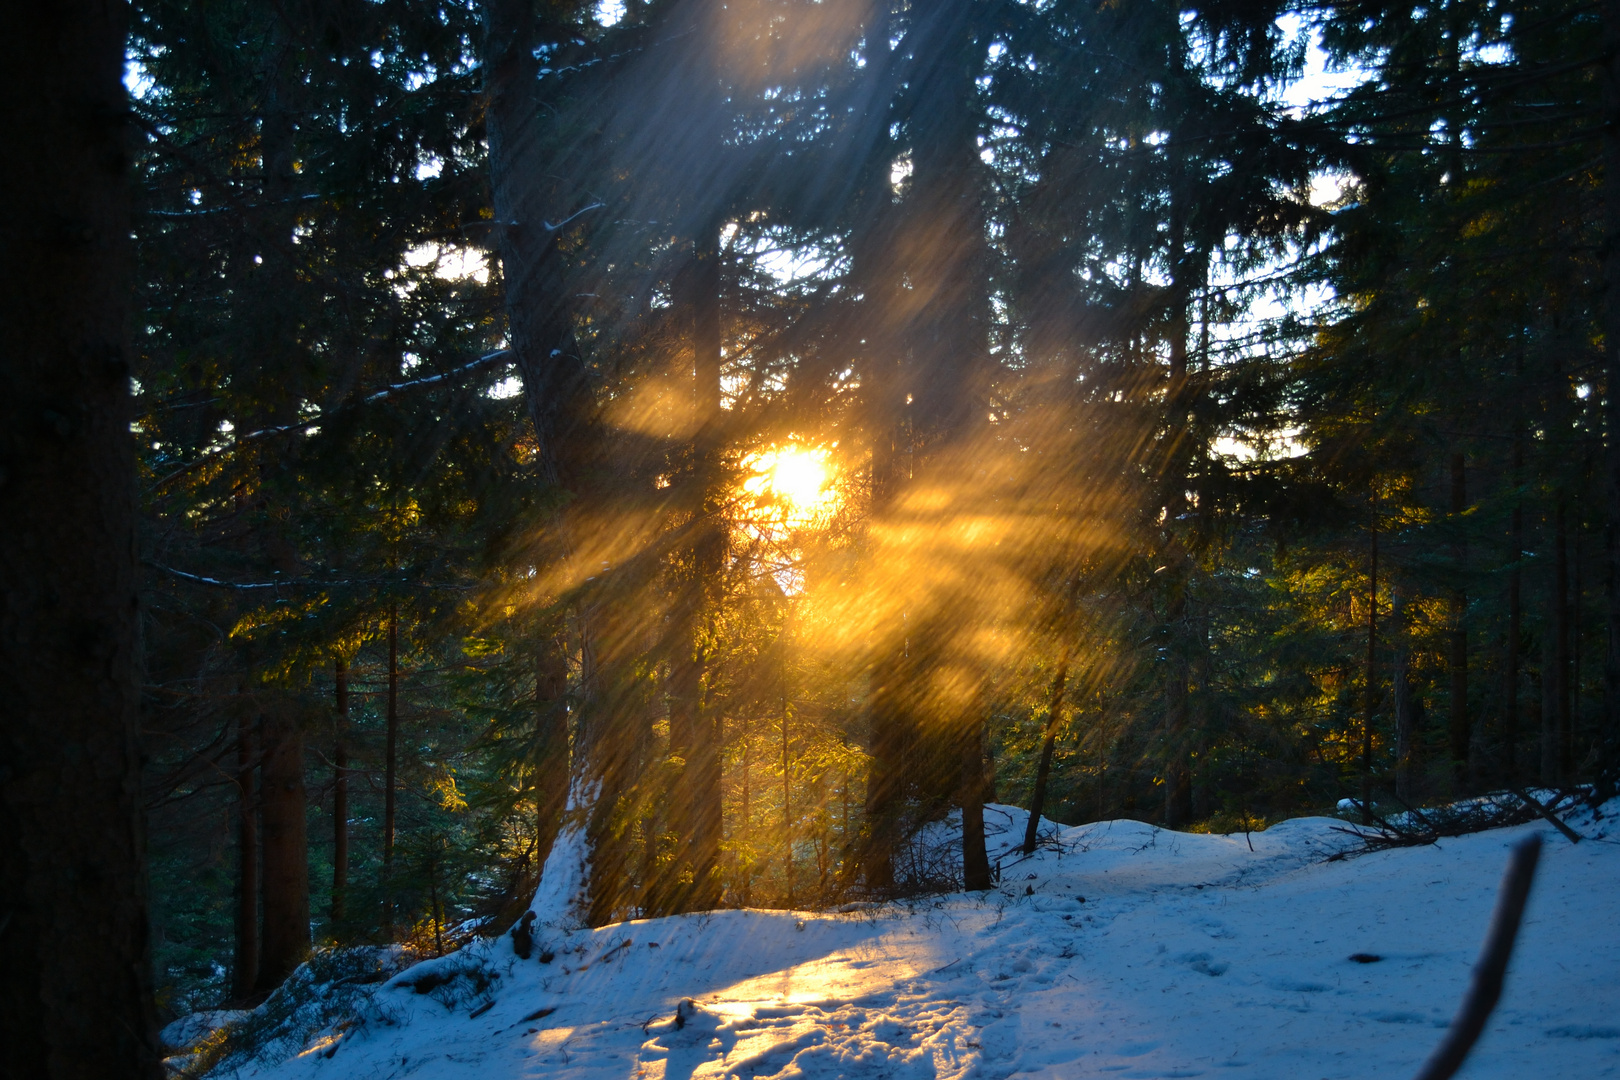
245	970
75	982
698	795
1609	740
1043	770
1457	657
1372	671
282	808
1510	660
1566	732
340	794
390	770
1408	711
551	757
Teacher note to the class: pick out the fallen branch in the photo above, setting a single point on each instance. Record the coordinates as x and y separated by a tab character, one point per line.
1558	823
1486	989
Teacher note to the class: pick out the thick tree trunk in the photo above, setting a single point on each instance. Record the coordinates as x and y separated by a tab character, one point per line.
526	185
282	802
1457	656
340	794
1609	739
75	984
944	235
1043	770
696	801
245	970
551	757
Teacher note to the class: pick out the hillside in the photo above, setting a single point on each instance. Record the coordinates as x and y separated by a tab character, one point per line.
1118	950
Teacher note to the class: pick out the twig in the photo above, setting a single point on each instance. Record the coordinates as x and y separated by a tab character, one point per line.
369	399
1486	989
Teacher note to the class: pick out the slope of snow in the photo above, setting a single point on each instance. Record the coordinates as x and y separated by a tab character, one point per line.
1117	950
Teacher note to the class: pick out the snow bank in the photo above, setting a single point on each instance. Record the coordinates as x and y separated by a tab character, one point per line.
1116	950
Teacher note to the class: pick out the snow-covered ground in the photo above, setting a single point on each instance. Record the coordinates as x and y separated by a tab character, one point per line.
1118	950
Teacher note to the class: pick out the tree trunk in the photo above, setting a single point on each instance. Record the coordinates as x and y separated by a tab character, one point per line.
1372	672
75	982
975	858
1510	659
245	970
1408	711
551	763
525	187
695	803
1566	733
390	770
1043	770
282	809
1609	246
1457	659
340	794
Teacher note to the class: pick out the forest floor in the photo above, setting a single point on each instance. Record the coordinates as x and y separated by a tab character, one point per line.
1117	950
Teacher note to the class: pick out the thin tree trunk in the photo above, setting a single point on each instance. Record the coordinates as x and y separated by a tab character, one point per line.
1372	671
975	857
1407	709
1560	614
340	794
1457	659
744	831
1510	664
282	811
245	969
390	770
1043	770
787	808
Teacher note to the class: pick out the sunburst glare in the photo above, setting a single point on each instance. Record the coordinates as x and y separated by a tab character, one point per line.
798	478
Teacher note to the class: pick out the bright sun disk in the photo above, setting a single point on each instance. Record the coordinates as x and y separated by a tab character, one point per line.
798	475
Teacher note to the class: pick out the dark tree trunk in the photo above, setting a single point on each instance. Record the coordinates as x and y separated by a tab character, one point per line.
282	808
1510	659
1408	711
951	371
245	971
340	794
1610	315
877	340
1372	672
1566	732
975	857
390	771
1555	715
1043	770
1457	659
551	758
695	802
1177	778
75	982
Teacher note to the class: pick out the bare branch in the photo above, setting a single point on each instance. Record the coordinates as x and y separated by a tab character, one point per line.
1486	988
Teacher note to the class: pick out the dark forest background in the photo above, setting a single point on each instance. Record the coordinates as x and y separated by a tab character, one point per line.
741	433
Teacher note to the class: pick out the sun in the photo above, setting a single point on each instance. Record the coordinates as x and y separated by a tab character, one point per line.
799	477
